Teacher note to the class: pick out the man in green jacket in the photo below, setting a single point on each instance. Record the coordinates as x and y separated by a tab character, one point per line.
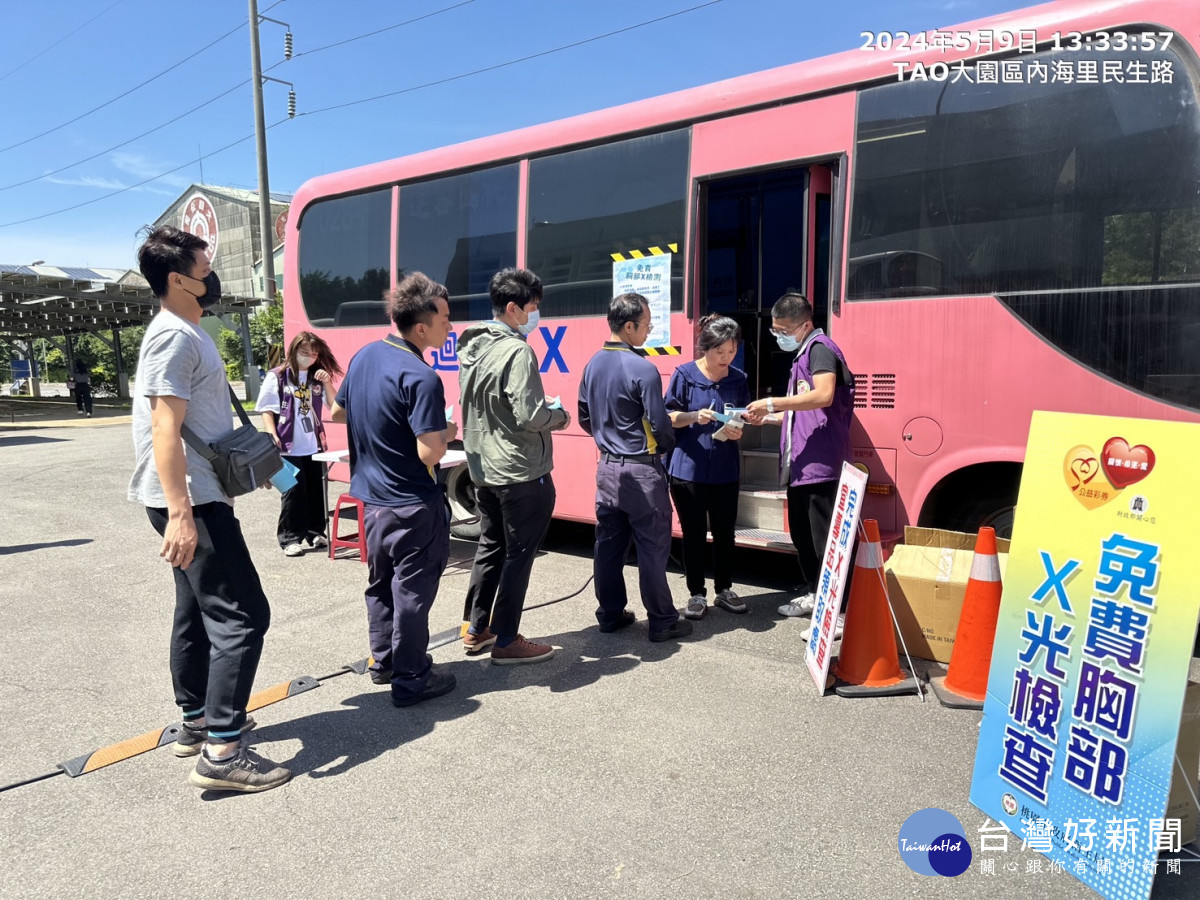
506	432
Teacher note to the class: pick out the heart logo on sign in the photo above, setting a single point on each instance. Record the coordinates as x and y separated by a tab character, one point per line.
1080	467
1124	465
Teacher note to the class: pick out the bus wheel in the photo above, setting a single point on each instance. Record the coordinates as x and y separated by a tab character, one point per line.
460	489
973	497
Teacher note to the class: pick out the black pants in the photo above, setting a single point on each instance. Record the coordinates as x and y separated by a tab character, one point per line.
221	616
514	522
302	510
83	397
810	511
701	508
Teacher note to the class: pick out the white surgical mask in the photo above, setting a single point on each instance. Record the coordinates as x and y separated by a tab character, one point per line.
304	361
531	323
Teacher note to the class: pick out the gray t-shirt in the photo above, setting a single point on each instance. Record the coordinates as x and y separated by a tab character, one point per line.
178	359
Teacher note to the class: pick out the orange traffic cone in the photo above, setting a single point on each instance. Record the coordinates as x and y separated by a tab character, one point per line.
965	685
868	665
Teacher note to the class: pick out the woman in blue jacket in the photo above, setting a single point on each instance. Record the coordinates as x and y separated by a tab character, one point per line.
705	472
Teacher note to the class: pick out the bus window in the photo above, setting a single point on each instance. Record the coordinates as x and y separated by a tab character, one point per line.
1057	197
1023	185
585	205
345	259
460	230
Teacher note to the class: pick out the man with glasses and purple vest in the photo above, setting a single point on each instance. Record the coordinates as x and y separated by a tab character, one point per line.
814	440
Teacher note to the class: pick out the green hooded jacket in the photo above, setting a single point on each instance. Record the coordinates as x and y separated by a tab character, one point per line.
506	423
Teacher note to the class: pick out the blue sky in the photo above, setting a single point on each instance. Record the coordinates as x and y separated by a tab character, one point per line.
73	56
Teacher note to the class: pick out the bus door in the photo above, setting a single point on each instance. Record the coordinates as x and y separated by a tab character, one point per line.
768	209
766	184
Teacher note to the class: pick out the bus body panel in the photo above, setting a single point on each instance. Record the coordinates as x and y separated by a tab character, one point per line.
945	383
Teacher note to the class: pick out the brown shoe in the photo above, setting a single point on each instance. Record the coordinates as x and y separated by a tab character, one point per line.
521	651
475	644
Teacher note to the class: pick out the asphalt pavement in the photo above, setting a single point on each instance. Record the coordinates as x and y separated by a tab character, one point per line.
709	767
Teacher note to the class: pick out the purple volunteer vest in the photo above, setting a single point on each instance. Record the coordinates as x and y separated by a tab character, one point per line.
820	438
286	425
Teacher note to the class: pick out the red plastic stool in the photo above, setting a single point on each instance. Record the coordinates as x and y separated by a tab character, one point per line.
356	541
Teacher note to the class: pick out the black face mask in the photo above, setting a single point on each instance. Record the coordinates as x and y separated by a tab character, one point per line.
212	292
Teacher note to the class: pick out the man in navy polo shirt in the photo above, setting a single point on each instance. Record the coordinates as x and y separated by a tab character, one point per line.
621	407
395	411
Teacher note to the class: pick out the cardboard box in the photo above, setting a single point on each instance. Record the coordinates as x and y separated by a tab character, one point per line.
927	580
1181	802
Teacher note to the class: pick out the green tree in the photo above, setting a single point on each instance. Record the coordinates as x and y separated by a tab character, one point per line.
230	345
266	330
102	361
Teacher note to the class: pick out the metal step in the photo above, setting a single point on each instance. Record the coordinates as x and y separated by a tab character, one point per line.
760	468
760	509
764	539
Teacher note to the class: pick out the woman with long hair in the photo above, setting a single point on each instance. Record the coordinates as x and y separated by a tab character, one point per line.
705	467
291	401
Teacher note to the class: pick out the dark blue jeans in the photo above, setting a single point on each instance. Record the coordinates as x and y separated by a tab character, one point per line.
633	504
515	518
221	616
407	549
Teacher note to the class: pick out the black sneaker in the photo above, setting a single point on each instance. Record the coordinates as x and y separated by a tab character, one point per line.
190	740
681	628
627	619
245	771
382	676
439	683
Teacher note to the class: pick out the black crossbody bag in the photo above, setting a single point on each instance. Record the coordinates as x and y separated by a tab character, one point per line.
244	459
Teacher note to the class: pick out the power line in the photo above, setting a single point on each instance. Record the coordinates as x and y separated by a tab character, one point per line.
511	62
86	159
430	15
132	89
314	112
80	162
139	184
59	41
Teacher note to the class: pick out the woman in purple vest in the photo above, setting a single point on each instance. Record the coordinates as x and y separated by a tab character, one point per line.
291	400
705	466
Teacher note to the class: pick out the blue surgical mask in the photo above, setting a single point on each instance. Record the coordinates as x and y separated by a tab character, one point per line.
531	323
787	343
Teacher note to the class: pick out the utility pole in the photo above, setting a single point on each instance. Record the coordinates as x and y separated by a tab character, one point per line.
265	229
260	133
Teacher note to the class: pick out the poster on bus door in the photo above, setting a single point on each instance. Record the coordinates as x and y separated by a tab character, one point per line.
649	276
835	566
1085	694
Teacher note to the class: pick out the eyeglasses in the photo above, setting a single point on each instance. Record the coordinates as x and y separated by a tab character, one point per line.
785	332
649	326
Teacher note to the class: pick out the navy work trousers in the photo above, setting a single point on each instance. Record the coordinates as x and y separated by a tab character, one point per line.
407	549
515	518
633	504
221	616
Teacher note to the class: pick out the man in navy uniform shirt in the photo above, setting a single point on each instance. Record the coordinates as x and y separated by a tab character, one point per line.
395	411
621	407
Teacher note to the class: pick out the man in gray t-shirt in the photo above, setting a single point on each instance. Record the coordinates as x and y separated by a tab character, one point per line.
221	612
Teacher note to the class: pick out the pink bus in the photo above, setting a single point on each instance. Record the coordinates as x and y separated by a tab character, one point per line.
989	219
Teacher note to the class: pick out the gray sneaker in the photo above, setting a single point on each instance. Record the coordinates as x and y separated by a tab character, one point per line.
189	740
696	608
801	606
731	602
245	771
